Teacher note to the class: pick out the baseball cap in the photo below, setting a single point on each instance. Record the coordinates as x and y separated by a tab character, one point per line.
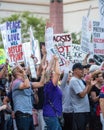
77	66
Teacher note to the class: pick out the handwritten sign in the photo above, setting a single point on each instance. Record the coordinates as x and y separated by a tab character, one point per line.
63	44
11	36
98	38
15	53
77	54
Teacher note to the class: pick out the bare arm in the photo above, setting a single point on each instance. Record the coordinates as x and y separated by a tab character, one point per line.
84	92
42	80
94	97
56	73
102	105
84	62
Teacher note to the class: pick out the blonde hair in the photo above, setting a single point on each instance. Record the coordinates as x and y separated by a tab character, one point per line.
96	73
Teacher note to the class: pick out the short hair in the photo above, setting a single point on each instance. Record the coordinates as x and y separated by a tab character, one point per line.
91	60
77	65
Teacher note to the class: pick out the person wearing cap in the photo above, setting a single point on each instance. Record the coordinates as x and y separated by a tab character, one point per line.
22	95
79	98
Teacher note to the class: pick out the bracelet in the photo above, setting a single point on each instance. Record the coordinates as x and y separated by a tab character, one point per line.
25	77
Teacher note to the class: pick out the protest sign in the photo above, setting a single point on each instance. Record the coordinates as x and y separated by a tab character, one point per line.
62	43
49	42
11	36
77	54
86	35
101	10
35	48
98	38
28	60
15	53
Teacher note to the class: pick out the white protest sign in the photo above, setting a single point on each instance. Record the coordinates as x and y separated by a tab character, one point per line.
77	54
63	44
35	49
86	35
49	42
11	36
101	10
37	52
28	60
98	38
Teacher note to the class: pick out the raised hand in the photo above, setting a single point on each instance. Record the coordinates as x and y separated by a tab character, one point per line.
67	62
45	65
49	24
55	57
34	58
43	50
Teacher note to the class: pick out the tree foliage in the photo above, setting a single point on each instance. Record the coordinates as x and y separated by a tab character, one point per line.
38	25
76	38
27	19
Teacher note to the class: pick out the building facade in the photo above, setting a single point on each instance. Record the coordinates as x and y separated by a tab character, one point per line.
73	10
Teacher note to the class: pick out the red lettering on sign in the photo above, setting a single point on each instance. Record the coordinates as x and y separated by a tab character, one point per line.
15	53
96	40
101	51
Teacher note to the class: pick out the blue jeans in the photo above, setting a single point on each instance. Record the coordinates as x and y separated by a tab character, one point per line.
25	123
52	123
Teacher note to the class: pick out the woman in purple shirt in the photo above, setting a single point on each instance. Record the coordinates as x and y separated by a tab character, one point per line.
52	107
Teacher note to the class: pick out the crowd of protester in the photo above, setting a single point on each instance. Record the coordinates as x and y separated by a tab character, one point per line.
68	100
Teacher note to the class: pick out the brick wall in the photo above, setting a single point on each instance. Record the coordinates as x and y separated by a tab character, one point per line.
56	16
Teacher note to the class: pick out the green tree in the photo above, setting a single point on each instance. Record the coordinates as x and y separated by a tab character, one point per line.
27	19
76	37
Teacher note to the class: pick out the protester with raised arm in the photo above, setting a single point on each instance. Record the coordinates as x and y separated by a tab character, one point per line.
21	95
52	107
